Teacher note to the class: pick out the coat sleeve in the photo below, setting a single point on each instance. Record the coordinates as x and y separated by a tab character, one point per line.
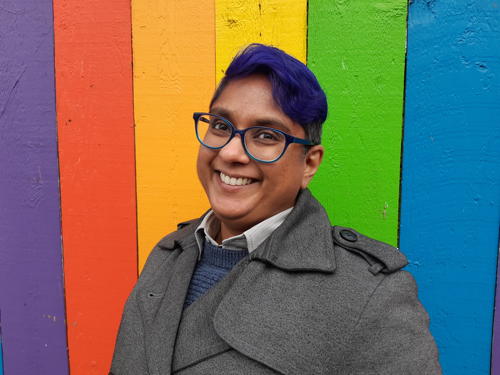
392	335
129	357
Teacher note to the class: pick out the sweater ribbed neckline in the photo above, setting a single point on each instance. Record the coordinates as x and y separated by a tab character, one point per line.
221	257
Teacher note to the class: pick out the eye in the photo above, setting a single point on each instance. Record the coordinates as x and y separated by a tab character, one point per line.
267	136
219	125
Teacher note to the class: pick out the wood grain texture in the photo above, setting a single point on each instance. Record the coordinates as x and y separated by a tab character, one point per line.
96	149
31	271
174	75
450	195
357	51
239	22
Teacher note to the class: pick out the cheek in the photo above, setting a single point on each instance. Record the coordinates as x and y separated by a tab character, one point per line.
287	178
205	156
203	164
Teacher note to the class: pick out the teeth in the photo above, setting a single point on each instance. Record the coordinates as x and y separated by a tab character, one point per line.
235	181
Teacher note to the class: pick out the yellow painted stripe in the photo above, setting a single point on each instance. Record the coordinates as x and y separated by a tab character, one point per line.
174	75
280	23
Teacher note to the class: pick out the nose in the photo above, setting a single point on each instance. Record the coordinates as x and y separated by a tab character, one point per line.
234	152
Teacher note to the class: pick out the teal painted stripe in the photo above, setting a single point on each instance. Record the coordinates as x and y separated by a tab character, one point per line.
1	348
1	359
450	197
357	51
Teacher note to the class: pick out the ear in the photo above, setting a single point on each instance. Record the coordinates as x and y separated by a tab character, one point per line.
312	161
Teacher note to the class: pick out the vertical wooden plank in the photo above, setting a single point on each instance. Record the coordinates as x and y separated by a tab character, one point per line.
495	348
1	353
96	145
31	277
174	75
357	51
1	349
280	23
450	202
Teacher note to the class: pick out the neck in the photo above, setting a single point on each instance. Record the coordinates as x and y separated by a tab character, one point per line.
231	228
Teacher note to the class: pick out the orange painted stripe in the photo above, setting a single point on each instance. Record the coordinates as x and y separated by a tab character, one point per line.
96	148
174	76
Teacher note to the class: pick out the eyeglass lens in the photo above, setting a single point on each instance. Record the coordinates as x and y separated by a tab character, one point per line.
262	143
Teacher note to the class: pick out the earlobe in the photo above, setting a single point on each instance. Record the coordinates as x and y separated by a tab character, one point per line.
312	162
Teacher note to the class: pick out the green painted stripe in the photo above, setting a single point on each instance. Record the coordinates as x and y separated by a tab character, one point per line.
357	51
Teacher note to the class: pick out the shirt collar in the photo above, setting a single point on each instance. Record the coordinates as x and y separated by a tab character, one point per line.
248	240
304	241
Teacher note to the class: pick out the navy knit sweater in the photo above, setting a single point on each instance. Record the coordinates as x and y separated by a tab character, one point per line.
214	264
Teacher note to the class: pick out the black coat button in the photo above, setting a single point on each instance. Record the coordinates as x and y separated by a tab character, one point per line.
348	235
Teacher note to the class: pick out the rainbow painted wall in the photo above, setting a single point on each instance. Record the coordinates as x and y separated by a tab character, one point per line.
97	153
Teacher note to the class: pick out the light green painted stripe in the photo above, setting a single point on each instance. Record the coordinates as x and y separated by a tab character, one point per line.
357	51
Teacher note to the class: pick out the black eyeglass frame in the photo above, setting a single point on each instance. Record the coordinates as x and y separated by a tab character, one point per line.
288	138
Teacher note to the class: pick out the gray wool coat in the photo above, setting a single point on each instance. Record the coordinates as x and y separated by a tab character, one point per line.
311	299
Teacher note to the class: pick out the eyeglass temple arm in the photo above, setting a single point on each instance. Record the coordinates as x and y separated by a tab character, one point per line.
302	141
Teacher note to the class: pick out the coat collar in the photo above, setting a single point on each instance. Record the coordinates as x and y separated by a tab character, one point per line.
302	243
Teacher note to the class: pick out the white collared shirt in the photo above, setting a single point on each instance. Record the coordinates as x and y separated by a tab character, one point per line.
248	240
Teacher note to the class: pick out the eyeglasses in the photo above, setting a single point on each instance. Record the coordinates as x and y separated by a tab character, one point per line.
261	143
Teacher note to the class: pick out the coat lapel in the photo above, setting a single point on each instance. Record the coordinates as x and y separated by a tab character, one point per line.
196	338
162	303
266	313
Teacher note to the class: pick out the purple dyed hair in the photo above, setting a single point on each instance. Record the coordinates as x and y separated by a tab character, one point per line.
295	88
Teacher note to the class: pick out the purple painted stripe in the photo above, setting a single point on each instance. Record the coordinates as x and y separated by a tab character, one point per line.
31	278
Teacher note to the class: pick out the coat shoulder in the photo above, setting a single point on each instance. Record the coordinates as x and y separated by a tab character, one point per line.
378	256
171	240
166	246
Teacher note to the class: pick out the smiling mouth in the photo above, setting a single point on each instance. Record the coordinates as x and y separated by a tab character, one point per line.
235	181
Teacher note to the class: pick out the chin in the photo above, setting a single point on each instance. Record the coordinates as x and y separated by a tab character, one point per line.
227	213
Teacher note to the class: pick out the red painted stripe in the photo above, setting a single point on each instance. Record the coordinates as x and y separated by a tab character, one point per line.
96	145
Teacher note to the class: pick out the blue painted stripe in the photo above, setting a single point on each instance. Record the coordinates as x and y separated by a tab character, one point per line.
450	193
495	355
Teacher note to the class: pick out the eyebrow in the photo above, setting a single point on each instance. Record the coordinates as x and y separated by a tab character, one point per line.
263	121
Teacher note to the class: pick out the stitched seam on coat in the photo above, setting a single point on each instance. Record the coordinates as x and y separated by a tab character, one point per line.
368	300
366	305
